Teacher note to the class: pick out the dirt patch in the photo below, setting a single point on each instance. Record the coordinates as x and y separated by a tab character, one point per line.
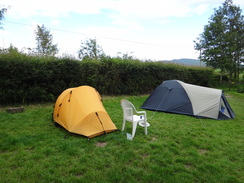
29	149
79	175
144	156
228	96
189	166
202	151
15	109
101	144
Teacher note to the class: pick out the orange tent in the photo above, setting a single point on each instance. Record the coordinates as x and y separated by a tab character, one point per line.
80	110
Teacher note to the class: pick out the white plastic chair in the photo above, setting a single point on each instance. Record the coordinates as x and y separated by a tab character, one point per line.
131	114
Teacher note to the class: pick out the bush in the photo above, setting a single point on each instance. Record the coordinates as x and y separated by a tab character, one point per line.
240	88
27	79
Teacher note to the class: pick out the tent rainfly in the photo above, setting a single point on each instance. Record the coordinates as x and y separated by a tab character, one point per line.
178	97
80	110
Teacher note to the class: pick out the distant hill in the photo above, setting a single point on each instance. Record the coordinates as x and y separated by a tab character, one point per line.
185	61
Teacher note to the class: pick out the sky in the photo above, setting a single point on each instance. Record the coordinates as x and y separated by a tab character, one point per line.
147	30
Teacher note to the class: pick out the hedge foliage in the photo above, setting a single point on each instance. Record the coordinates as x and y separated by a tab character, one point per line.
28	79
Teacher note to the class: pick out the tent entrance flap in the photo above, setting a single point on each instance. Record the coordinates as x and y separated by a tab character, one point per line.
168	90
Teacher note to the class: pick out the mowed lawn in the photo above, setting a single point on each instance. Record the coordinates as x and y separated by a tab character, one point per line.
177	148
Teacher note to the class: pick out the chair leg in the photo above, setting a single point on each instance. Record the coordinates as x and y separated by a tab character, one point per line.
134	129
145	122
123	125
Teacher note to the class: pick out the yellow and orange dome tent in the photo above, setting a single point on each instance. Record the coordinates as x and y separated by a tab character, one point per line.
80	110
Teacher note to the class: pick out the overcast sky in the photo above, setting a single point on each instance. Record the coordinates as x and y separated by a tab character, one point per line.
155	29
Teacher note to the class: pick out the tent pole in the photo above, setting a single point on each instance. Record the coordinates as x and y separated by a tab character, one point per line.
101	123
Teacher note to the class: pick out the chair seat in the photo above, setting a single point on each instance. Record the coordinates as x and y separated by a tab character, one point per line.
131	114
141	123
135	118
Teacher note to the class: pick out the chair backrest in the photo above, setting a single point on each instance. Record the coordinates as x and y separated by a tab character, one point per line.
128	108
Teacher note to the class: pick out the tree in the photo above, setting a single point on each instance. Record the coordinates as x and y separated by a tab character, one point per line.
125	56
221	44
44	42
2	12
90	50
11	50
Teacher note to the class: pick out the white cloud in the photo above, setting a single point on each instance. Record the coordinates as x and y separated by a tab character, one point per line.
200	9
125	13
157	8
142	21
106	32
4	33
53	8
55	22
126	8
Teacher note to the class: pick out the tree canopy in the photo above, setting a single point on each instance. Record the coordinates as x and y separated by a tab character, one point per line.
89	49
221	44
2	12
44	42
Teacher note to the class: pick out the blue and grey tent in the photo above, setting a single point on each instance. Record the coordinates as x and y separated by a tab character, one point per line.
175	96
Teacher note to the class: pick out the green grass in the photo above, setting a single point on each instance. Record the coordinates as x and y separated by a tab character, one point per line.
177	148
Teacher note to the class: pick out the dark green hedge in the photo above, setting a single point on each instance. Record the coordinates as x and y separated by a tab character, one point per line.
27	79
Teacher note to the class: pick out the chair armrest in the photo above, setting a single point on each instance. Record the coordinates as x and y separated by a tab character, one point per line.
142	112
